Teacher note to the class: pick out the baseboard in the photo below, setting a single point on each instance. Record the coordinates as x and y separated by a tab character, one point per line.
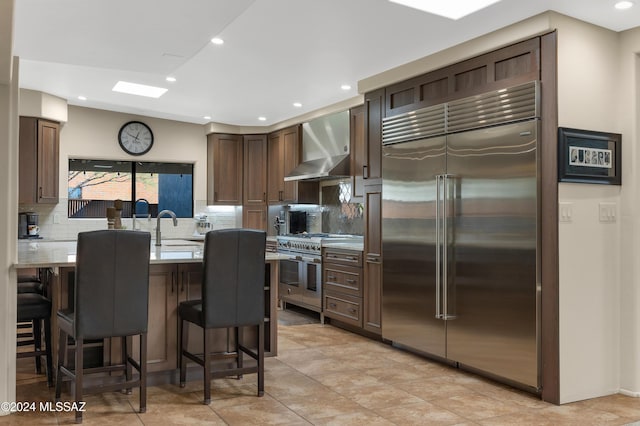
630	393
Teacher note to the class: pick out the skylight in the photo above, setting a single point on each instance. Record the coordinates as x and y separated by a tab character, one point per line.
452	9
139	89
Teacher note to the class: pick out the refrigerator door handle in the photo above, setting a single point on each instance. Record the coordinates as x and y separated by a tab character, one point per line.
438	246
445	245
447	180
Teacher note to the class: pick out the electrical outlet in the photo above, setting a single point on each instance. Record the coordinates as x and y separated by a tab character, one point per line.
56	218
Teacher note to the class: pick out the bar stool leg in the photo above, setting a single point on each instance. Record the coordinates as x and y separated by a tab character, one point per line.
47	342
184	343
37	342
62	355
78	373
143	373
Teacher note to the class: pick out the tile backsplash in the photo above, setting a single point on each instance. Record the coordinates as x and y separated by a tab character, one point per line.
55	225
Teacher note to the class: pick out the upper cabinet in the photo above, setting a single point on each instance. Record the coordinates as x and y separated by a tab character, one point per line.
254	205
283	155
224	174
358	139
374	103
38	161
509	66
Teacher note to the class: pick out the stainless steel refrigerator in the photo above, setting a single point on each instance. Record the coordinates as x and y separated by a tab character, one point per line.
460	233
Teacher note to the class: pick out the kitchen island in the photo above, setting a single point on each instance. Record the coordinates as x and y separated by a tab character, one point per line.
175	275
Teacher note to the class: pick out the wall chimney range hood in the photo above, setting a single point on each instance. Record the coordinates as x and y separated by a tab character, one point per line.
325	149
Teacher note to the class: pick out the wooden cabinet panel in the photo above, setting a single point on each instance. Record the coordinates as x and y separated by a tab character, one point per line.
254	217
509	66
38	161
255	170
372	271
374	110
291	158
162	334
283	155
224	162
344	279
358	140
343	308
275	169
343	257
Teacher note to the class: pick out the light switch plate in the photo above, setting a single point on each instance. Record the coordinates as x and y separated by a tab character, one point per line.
565	212
607	212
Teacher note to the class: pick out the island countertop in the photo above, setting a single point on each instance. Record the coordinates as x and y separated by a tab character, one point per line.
46	254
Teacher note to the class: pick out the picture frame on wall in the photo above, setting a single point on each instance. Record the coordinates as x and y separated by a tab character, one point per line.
586	156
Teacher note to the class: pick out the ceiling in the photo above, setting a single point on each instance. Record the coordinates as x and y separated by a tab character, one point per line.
276	52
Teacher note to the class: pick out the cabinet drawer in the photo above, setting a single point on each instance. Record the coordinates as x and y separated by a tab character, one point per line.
343	279
343	257
289	292
343	308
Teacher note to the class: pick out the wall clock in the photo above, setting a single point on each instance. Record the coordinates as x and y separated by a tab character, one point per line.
135	138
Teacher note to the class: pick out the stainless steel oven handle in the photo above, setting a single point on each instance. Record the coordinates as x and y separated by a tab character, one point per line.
309	259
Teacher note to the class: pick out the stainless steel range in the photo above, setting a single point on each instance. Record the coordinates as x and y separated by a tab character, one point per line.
301	272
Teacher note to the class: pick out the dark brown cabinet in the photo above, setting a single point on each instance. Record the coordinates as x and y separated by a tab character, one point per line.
358	158
283	155
38	161
224	169
373	112
509	66
254	205
342	290
372	268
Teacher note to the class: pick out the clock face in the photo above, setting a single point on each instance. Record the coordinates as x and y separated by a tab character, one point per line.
135	138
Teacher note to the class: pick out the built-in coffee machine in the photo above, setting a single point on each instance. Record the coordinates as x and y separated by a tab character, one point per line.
28	225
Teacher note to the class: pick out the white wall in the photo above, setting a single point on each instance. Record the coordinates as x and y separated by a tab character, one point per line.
8	232
629	97
589	250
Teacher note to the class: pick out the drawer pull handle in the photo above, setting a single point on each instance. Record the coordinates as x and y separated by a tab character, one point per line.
351	281
288	291
331	277
353	310
352	258
333	305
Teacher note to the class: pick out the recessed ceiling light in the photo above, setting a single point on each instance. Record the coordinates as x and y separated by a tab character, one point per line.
206	117
139	89
623	5
345	87
452	9
82	98
217	40
297	104
171	79
262	118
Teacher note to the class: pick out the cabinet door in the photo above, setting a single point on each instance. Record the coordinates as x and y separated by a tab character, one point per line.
358	139
372	299
48	147
162	331
254	217
255	170
291	158
38	161
374	108
275	173
225	168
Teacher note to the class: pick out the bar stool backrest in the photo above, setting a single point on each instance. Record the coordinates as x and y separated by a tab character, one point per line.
233	281
111	283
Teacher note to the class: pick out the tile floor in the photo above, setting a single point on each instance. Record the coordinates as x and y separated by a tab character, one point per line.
326	376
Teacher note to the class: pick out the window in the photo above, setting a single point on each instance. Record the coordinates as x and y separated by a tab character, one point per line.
93	186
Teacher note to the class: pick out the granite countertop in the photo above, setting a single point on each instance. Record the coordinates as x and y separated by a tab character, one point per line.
39	254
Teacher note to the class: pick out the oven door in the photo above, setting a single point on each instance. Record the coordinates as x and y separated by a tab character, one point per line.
312	288
291	279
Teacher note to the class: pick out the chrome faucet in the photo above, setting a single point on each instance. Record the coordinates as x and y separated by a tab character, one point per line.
135	205
164	213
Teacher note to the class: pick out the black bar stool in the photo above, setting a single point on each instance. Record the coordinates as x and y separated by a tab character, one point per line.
111	300
31	284
36	308
232	297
